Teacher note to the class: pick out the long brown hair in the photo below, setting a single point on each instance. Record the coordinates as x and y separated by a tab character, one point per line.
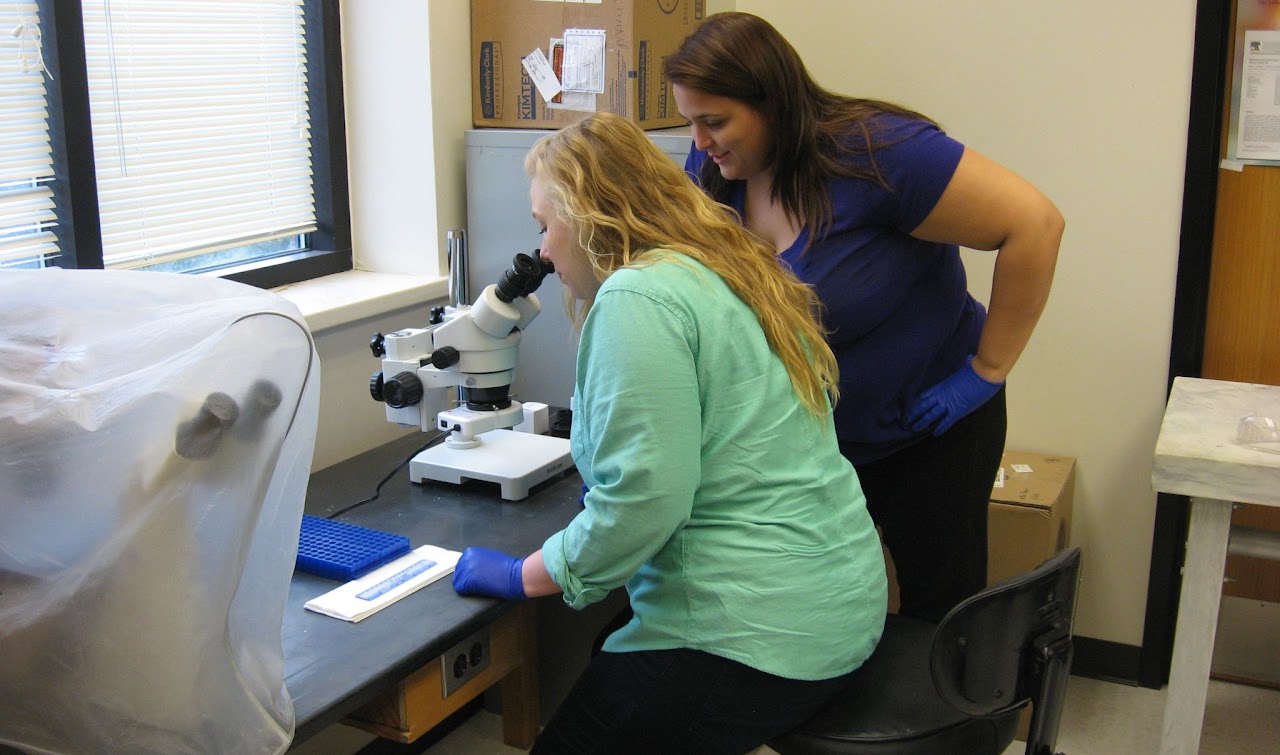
630	204
813	130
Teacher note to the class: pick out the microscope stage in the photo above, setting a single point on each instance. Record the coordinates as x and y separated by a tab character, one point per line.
515	460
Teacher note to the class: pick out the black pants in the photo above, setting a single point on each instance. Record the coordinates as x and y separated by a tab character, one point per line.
930	501
678	701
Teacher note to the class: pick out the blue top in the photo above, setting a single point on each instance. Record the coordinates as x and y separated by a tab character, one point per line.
899	308
721	503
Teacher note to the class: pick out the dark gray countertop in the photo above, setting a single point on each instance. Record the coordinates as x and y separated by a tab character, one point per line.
333	666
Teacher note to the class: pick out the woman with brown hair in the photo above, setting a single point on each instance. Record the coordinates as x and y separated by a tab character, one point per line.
869	202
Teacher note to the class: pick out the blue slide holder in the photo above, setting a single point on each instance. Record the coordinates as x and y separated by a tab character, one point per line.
337	550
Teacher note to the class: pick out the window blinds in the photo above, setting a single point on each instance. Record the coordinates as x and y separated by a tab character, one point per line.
26	156
200	125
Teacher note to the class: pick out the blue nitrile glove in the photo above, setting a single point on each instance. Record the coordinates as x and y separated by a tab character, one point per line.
945	403
481	571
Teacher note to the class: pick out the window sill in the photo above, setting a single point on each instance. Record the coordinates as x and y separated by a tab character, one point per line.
343	298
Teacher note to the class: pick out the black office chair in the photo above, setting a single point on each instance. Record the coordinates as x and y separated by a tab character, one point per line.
959	686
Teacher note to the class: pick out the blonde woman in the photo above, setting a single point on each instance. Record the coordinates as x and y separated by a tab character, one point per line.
717	493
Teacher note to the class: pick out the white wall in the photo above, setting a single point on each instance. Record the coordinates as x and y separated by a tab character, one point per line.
408	102
1088	100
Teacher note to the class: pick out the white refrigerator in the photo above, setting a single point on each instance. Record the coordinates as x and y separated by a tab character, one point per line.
499	225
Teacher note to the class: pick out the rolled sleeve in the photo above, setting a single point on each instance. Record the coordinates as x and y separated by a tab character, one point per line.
637	442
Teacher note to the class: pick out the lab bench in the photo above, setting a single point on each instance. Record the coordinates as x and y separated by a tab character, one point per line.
388	673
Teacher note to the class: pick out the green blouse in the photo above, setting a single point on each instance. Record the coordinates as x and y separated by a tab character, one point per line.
721	503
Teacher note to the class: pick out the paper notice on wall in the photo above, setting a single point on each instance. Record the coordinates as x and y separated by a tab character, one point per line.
583	60
1258	118
584	101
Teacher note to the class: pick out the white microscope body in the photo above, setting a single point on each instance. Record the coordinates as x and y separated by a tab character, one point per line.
474	349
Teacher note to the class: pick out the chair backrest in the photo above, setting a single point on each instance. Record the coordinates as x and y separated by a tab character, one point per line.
989	653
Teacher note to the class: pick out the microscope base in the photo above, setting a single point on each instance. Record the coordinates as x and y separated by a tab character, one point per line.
515	460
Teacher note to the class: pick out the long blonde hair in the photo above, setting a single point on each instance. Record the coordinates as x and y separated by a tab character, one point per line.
627	199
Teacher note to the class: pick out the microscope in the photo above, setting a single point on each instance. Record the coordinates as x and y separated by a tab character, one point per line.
455	376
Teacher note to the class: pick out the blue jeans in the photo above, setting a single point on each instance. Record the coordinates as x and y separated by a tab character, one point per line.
678	701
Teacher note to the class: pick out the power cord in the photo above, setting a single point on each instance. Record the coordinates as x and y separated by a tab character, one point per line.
377	491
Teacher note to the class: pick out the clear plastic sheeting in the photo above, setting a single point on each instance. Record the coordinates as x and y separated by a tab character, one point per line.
156	433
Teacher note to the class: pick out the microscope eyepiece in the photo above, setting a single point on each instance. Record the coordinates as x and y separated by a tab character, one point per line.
524	276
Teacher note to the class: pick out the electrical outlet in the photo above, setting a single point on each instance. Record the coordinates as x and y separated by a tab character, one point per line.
464	661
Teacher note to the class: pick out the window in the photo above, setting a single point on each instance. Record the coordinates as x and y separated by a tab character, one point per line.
187	136
26	170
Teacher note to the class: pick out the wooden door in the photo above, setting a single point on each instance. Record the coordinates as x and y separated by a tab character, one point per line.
1242	329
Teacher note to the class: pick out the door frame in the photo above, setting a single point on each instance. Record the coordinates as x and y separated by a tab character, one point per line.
1190	310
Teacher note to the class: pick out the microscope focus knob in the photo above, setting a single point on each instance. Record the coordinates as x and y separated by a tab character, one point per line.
375	386
444	357
402	390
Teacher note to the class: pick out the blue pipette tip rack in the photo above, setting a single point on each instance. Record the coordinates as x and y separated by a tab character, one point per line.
337	550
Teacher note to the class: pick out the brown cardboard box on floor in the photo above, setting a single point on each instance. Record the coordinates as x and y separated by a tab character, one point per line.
632	35
1028	521
1030	515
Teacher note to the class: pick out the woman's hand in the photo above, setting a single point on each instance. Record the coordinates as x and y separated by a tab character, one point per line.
481	571
945	403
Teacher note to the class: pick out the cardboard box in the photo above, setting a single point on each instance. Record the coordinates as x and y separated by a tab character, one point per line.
1030	515
625	42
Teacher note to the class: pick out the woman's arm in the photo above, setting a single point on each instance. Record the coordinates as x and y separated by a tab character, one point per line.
537	580
637	430
986	206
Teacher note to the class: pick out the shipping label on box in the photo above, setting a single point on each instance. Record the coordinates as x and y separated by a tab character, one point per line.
604	55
